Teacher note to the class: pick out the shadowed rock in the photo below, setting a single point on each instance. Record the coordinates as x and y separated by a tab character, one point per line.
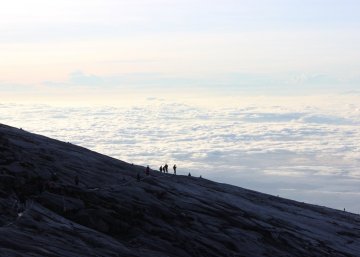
110	213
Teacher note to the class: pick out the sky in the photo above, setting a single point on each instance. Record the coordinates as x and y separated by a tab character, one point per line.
262	94
92	50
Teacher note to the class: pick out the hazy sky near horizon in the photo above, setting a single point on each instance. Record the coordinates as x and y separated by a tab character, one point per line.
94	49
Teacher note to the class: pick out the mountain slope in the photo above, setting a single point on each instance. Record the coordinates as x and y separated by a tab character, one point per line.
110	213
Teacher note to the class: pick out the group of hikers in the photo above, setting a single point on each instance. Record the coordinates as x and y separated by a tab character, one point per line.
165	169
162	169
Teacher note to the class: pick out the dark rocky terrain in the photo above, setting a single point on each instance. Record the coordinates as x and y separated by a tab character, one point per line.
110	213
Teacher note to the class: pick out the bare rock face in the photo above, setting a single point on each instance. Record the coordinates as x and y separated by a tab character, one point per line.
109	213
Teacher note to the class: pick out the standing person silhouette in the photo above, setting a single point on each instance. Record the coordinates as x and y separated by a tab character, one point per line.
147	171
161	169
174	168
76	180
166	168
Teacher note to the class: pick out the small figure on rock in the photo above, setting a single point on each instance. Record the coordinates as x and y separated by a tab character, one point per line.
54	177
40	184
76	179
21	198
147	171
189	175
161	169
174	168
166	168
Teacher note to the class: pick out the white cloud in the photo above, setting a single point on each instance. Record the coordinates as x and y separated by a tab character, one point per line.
262	147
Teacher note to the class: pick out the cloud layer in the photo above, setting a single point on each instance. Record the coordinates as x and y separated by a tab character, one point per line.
310	155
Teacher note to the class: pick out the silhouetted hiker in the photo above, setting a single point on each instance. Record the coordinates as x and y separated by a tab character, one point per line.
147	171
38	184
21	197
22	202
166	168
54	177
41	185
200	176
174	168
138	177
161	169
189	174
76	180
50	185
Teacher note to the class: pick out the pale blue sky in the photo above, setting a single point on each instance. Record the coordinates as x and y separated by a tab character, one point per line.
263	46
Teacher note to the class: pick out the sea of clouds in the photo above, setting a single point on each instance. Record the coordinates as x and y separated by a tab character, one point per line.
309	153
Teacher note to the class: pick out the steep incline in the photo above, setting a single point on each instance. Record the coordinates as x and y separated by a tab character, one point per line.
111	214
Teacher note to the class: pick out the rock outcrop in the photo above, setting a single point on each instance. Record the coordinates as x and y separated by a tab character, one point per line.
109	213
